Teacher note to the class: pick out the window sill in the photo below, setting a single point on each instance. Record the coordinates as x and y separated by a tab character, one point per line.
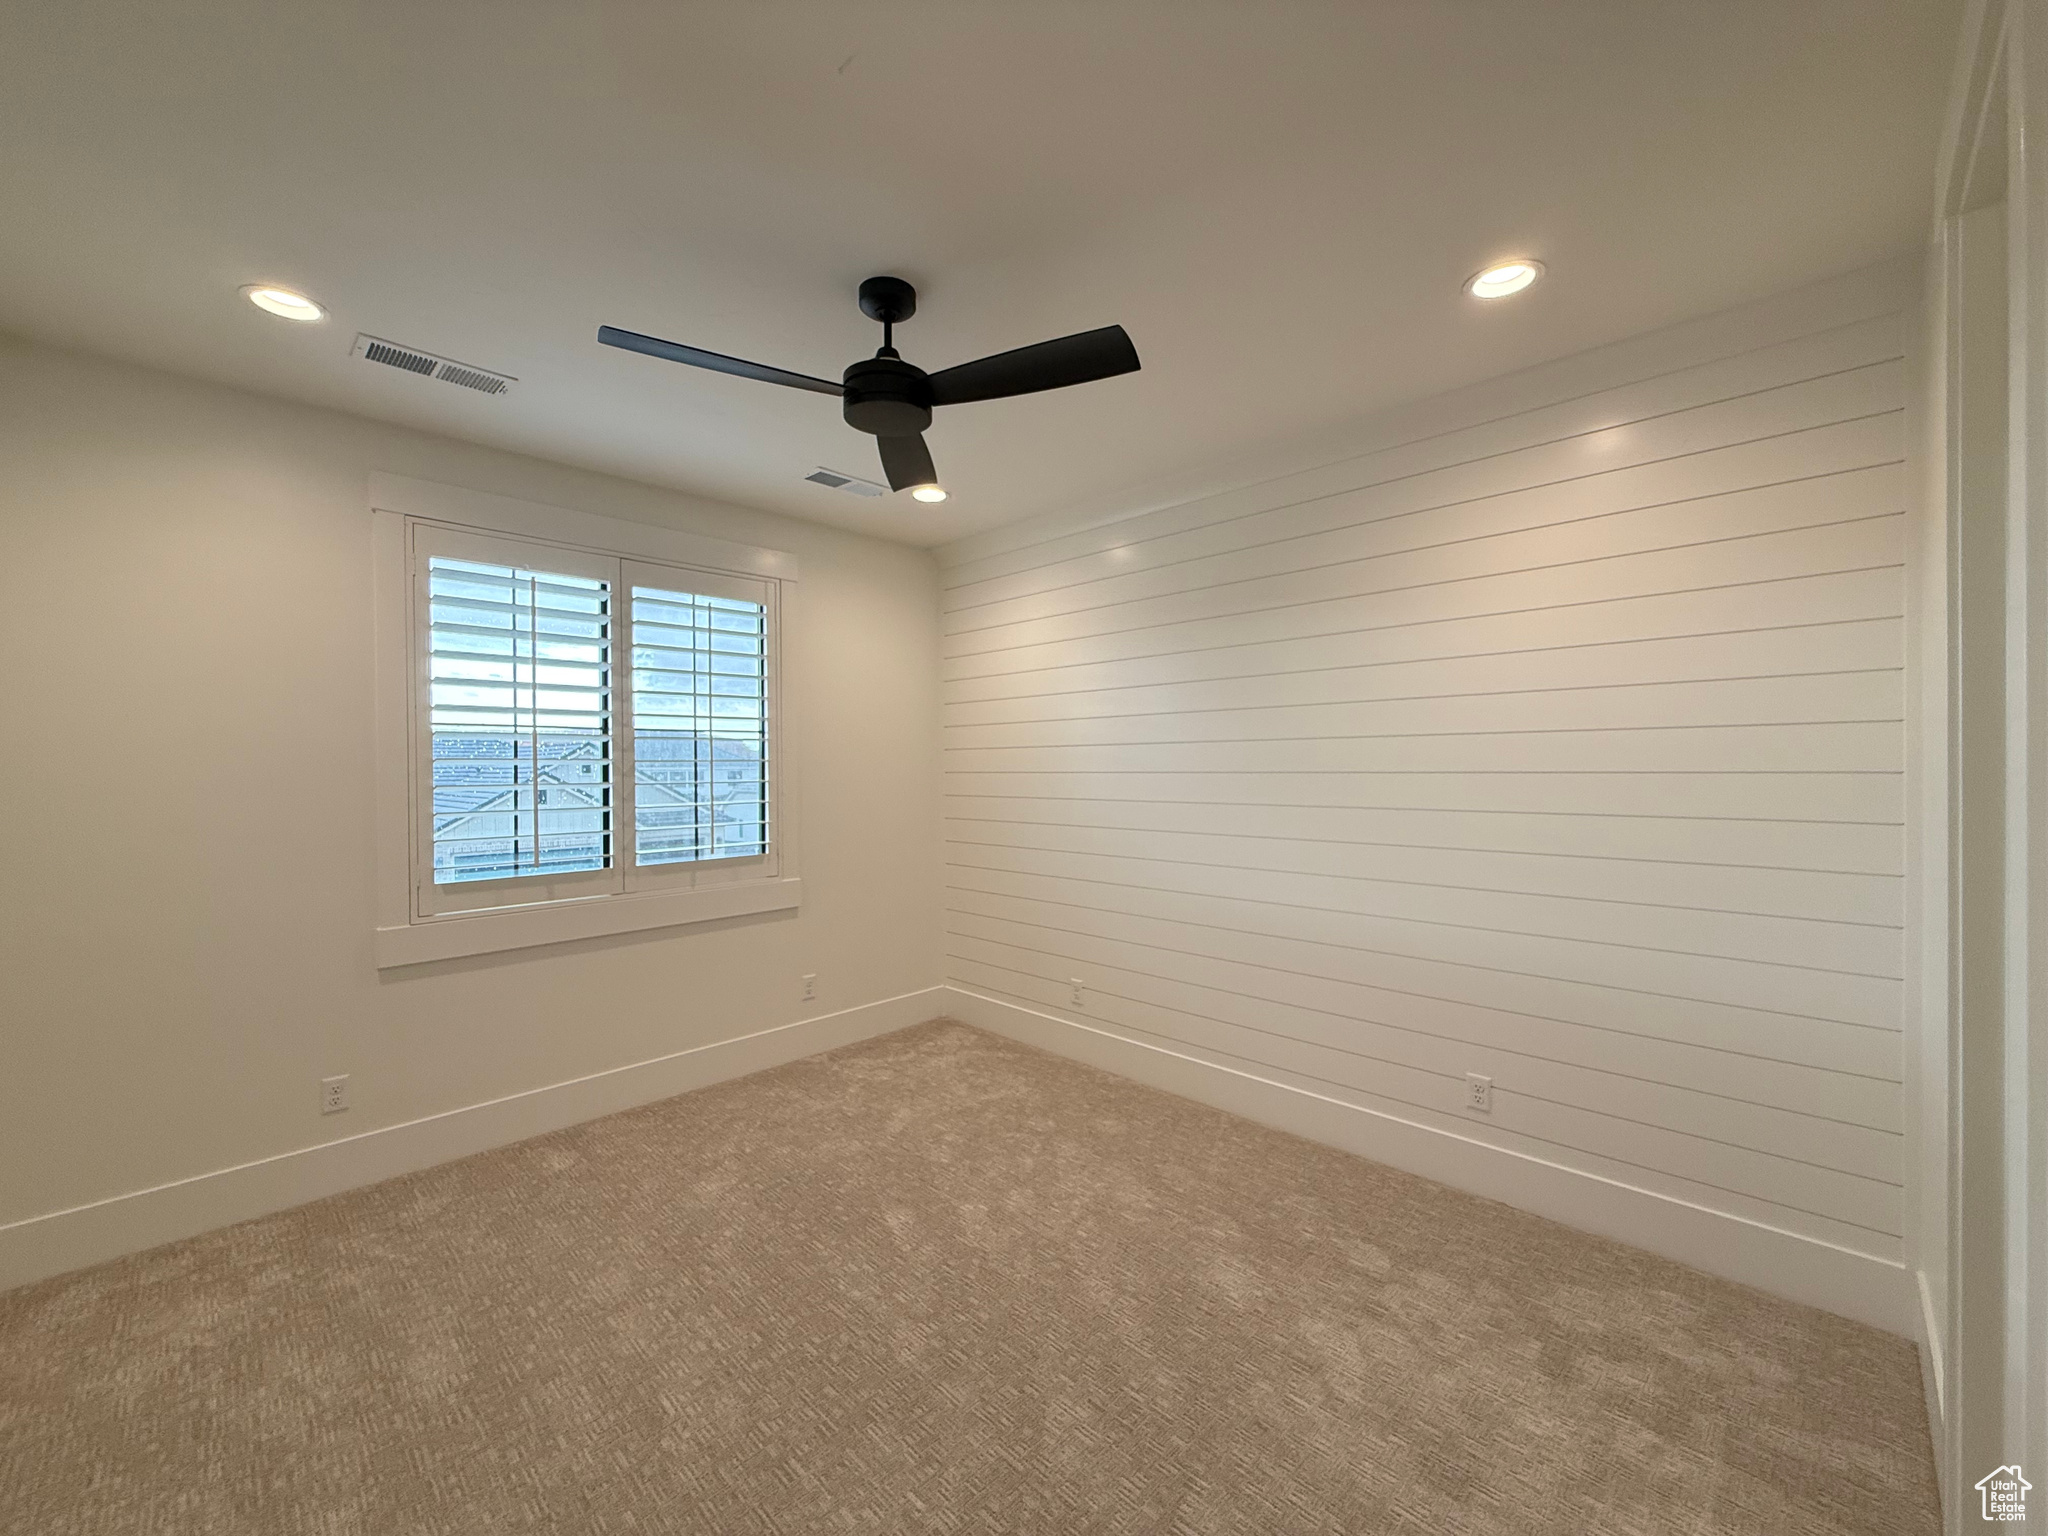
484	933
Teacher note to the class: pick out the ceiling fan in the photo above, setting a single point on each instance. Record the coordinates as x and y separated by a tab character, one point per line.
892	400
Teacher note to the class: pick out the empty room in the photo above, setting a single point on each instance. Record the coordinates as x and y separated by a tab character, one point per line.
1153	766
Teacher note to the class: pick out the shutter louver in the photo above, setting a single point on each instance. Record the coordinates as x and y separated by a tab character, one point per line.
520	714
700	727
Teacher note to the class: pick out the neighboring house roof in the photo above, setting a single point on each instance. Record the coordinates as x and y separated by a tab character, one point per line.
468	787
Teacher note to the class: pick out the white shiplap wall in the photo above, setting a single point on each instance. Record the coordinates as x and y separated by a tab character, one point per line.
1555	738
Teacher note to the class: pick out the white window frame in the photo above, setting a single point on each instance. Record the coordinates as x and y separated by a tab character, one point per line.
416	921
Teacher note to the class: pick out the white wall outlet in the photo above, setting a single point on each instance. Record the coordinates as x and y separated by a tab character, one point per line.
1478	1094
333	1094
811	988
1075	998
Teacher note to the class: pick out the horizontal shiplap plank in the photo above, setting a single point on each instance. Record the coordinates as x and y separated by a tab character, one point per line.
1271	639
1832	696
1834	649
1801	943
1824	895
1290	805
1430	654
1846	848
1429	585
1816	942
1829	746
1354	834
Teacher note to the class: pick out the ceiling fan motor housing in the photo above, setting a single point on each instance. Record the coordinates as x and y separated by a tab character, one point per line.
888	397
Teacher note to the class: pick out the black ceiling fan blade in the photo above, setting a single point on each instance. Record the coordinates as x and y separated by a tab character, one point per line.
907	462
718	362
1074	359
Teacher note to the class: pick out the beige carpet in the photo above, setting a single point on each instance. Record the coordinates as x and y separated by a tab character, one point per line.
936	1282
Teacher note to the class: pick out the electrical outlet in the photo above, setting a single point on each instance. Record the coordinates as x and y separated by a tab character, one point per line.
811	988
1074	997
1478	1094
333	1094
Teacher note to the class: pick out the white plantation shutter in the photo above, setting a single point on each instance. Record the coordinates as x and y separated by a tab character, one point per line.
585	725
519	715
700	723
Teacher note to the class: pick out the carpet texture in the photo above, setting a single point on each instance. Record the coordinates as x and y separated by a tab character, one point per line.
936	1282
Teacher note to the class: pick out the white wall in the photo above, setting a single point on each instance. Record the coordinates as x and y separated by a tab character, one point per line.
185	918
1555	735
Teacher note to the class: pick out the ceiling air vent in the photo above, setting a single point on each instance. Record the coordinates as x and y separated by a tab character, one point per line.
853	485
428	366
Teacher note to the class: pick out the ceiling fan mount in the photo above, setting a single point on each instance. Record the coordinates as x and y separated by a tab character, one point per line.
888	299
892	400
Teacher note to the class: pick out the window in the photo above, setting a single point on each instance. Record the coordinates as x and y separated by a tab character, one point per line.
700	726
585	729
518	705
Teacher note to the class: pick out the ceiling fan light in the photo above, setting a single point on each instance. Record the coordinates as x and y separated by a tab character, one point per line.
283	303
1507	277
928	493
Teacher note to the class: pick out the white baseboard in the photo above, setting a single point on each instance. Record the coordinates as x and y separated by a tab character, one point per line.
90	1234
1933	1380
1862	1286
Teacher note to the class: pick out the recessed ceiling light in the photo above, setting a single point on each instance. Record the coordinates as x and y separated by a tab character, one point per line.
284	303
1509	277
928	493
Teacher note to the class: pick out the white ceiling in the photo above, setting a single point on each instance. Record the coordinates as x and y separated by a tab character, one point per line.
1278	200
